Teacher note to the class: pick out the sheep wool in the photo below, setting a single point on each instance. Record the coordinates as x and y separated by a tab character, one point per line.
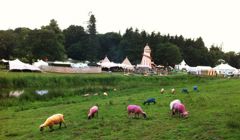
180	108
136	110
105	94
162	90
52	120
93	110
173	102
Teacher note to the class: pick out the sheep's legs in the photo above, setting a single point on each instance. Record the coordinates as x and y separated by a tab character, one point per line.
51	128
60	124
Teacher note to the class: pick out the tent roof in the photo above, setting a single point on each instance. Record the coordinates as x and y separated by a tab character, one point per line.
126	62
106	60
224	67
18	65
40	63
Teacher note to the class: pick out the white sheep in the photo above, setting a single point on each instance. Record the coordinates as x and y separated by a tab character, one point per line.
173	91
85	95
162	90
105	93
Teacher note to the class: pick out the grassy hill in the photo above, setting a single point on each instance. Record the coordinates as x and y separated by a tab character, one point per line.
214	111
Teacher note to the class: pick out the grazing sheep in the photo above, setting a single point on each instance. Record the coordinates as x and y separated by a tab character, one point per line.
92	111
185	90
174	101
54	119
96	94
162	90
86	95
179	108
150	100
105	93
136	110
195	88
173	91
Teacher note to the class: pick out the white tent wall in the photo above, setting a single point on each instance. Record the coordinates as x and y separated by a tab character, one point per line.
182	66
224	69
18	65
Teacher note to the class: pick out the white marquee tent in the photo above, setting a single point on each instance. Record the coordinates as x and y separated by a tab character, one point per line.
18	65
126	64
40	63
183	65
224	69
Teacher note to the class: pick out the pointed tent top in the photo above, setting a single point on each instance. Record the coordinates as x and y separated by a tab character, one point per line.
147	47
106	60
126	61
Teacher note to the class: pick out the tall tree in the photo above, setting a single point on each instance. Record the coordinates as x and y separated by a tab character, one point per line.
7	44
167	54
92	25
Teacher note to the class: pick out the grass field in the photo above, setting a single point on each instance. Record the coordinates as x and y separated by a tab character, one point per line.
214	111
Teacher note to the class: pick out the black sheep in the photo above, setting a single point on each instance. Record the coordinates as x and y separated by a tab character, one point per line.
150	100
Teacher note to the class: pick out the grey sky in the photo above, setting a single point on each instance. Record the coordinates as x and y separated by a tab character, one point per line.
216	21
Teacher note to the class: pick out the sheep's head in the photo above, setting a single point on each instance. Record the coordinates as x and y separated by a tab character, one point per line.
144	115
89	117
41	127
185	114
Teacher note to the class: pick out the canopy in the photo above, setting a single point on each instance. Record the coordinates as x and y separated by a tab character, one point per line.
105	63
18	65
224	69
126	64
40	63
182	65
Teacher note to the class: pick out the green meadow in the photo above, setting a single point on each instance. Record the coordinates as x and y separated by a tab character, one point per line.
214	111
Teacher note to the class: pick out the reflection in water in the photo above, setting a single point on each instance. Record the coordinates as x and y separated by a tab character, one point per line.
41	92
16	93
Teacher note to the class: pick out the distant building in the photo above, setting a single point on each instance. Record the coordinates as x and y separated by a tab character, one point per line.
146	59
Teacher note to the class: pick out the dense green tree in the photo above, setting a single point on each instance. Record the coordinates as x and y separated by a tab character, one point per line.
7	44
109	43
45	45
232	59
167	54
73	34
215	53
92	25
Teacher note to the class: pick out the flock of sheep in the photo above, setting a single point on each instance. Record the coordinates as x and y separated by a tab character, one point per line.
176	107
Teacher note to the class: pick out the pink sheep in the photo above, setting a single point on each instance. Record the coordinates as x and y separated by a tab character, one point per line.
92	111
180	109
136	110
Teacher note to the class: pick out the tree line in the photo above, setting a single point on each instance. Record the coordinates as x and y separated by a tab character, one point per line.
51	43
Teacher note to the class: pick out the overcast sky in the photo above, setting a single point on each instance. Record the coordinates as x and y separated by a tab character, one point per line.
216	21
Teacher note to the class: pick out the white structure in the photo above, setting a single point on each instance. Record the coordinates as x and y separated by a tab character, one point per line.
40	63
198	70
182	66
18	65
107	64
146	59
224	69
126	64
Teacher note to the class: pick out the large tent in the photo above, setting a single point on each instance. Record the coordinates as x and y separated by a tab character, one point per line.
183	65
107	64
18	65
224	69
40	63
126	64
